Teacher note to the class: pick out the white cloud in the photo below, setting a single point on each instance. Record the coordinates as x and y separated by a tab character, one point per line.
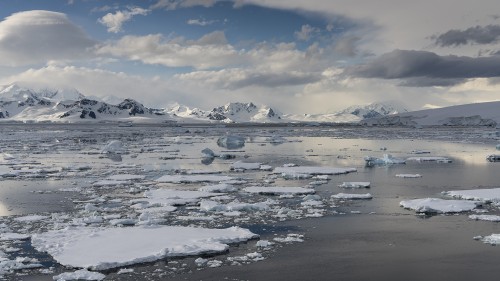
306	32
114	22
200	22
38	36
207	52
175	4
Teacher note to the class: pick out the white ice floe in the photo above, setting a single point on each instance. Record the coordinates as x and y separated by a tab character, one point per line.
31	218
8	266
210	205
240	165
81	274
430	159
352	196
292	237
439	206
223	187
493	218
125	177
408	176
103	183
273	190
386	159
193	178
493	239
104	248
7	236
171	197
114	146
312	170
355	184
485	195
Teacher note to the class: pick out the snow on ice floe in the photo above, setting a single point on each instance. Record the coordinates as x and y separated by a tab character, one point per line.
352	196
273	190
209	205
31	218
355	184
436	159
408	176
492	218
493	239
113	147
240	165
8	236
81	274
439	206
485	195
193	178
171	197
309	171
105	248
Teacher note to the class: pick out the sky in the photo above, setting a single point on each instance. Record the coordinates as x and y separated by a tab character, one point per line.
315	56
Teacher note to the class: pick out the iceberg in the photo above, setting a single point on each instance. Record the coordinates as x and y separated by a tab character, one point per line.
231	142
386	159
485	195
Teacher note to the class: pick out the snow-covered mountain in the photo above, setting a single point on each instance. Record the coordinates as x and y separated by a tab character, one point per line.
24	104
476	114
238	112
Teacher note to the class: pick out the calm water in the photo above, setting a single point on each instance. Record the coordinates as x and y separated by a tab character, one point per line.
370	240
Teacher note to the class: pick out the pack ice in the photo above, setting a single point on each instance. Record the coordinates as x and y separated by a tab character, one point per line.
485	195
439	206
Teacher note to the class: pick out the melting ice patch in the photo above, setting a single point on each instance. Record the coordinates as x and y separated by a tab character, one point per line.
493	239
492	218
439	206
352	196
355	184
105	248
273	190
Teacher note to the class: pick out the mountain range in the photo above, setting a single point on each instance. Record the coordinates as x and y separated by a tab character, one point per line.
69	105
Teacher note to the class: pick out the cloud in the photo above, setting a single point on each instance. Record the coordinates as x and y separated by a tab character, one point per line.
474	35
346	46
238	78
175	4
201	22
208	52
404	64
114	22
39	36
306	32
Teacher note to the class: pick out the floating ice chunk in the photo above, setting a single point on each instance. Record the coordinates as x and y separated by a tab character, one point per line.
123	222
290	238
408	176
170	197
114	147
209	205
7	157
105	248
223	187
231	142
266	168
200	172
274	190
485	195
493	239
312	170
355	184
193	178
264	244
386	159
311	197
352	196
312	203
439	206
7	172
485	218
81	274
31	218
125	270
207	153
200	261
430	159
125	177
103	183
240	165
276	140
7	236
420	151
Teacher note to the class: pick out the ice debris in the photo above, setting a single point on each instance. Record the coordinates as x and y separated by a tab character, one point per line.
273	190
355	184
386	159
351	196
113	147
231	142
408	176
81	274
492	218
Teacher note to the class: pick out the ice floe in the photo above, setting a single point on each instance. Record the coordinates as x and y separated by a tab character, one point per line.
105	248
493	239
355	184
408	176
231	142
82	274
240	165
113	147
193	178
436	159
485	195
293	171
493	218
439	206
273	190
387	159
352	196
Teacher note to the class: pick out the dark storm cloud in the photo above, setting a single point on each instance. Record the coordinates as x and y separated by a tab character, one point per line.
422	68
473	35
